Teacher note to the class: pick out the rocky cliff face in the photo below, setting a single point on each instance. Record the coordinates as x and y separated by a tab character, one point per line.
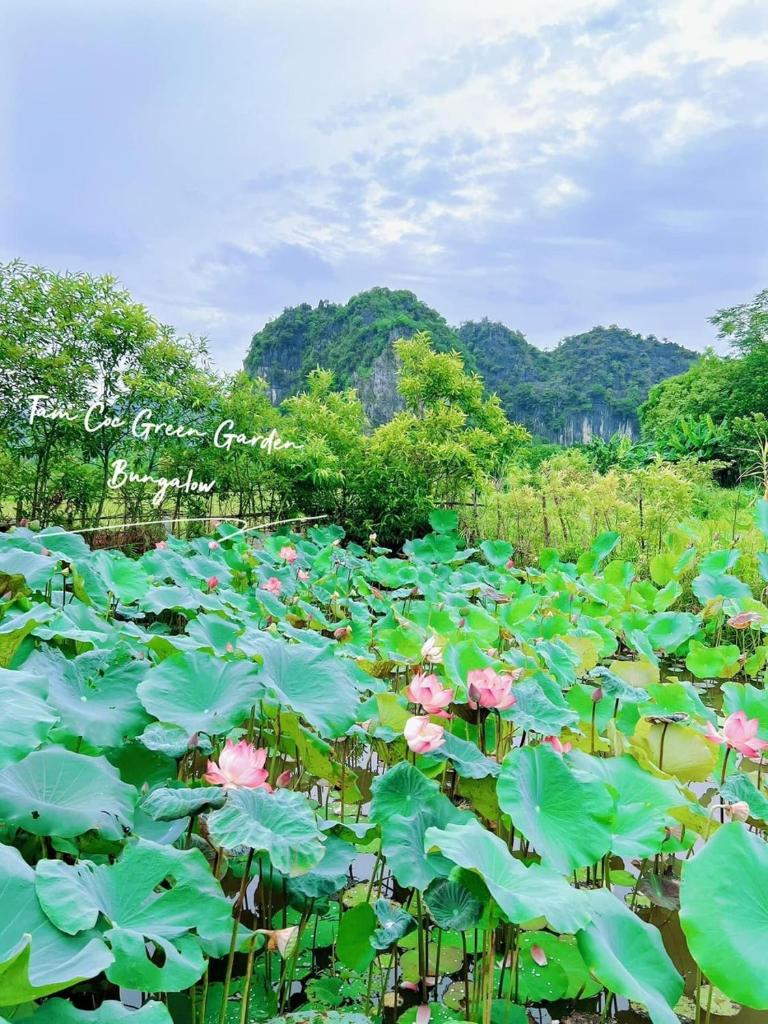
590	385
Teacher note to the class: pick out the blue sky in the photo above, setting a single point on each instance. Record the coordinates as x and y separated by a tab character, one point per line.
553	165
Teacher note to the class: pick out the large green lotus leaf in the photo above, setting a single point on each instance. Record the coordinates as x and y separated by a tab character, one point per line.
432	548
724	913
466	757
54	792
59	1011
94	694
152	894
393	924
710	585
669	698
35	957
402	841
561	660
568	820
392	572
353	944
215	633
616	687
628	957
402	789
713	662
668	630
720	561
171	740
166	804
76	621
282	824
200	692
497	552
321	688
452	906
124	578
36	569
179	599
25	717
327	877
540	707
522	893
642	802
678	750
14	628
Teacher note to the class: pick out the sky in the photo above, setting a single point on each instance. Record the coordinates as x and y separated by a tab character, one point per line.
553	164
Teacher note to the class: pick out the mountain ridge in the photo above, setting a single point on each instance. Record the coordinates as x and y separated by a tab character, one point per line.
590	384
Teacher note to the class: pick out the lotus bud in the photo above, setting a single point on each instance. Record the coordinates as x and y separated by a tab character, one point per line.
538	956
212	582
213	545
342	632
160	545
284	779
65	571
229	648
283	941
510	563
372	538
597	694
194	741
738	811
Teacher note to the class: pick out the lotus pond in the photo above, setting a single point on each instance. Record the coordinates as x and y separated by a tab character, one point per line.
247	778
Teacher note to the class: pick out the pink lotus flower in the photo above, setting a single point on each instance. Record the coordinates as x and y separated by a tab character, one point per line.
289	554
432	650
488	689
303	575
510	563
213	545
538	956
212	582
229	648
273	586
427	691
739	733
241	766
160	545
557	746
744	619
423	736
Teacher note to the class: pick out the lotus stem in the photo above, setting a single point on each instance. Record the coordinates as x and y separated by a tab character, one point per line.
238	908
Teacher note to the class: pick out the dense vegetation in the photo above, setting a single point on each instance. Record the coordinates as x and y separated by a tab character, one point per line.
82	342
243	778
719	408
599	378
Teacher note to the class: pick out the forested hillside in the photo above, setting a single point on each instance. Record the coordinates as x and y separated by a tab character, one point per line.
589	385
